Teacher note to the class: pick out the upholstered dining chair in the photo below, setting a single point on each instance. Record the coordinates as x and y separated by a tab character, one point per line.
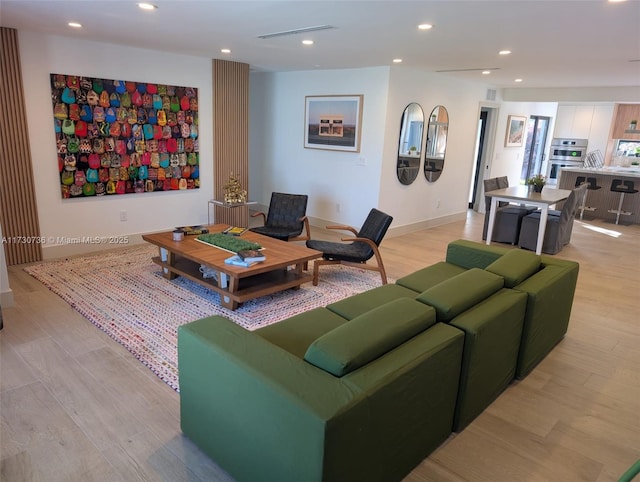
508	216
359	249
286	219
559	225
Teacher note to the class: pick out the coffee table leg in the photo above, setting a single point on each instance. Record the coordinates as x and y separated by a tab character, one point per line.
231	284
169	258
298	269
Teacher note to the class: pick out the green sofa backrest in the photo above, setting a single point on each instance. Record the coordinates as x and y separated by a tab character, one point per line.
369	336
458	294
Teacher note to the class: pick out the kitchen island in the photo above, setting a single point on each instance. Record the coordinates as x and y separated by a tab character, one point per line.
604	199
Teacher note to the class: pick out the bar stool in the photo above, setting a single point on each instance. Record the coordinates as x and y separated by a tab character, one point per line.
623	187
592	186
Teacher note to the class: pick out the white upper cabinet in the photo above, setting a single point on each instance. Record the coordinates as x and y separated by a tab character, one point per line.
574	121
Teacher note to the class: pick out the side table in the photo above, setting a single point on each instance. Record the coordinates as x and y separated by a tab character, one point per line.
223	204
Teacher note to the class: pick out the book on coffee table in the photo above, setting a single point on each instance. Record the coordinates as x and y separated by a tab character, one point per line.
251	255
192	230
234	230
238	261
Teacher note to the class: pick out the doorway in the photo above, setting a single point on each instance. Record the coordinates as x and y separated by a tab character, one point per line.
533	161
482	130
485	136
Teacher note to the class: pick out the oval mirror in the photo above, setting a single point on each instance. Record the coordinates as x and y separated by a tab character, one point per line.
411	127
436	144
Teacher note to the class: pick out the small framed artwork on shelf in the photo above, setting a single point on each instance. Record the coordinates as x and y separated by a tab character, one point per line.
333	122
515	131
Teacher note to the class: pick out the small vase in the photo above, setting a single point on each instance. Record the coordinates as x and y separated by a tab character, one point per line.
537	188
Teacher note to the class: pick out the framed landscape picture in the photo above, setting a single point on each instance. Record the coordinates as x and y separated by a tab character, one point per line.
515	131
333	122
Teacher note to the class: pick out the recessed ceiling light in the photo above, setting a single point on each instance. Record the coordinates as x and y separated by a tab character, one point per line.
517	80
74	24
147	6
307	42
425	26
397	61
504	52
225	51
617	1
486	72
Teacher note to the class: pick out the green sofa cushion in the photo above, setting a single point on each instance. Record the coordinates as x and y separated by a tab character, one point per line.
426	278
457	294
369	336
515	266
359	304
296	333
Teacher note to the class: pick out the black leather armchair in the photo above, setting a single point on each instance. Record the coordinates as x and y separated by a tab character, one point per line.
361	248
286	219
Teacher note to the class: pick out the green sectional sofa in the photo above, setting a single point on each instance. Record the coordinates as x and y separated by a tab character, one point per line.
366	388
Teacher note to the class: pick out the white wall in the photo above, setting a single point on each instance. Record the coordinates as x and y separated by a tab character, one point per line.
279	161
422	203
100	216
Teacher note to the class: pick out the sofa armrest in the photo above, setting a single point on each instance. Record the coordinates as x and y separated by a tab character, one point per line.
243	398
550	294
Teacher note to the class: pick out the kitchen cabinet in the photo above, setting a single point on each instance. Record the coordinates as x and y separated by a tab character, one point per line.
625	114
574	121
600	127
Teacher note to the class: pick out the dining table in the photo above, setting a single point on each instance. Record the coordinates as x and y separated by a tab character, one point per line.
524	195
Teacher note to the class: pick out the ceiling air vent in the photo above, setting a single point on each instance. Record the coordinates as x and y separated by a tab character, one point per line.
468	70
491	94
296	31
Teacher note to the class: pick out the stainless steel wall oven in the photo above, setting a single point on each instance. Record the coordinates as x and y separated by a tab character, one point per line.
565	153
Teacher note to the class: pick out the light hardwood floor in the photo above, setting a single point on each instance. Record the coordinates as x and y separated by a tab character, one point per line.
76	406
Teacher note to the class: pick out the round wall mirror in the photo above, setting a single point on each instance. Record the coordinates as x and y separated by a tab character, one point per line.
409	144
436	143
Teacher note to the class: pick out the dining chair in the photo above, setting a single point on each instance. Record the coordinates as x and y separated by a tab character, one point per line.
508	216
559	225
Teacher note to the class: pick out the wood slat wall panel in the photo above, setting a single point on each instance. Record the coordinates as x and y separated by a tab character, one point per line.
230	134
18	208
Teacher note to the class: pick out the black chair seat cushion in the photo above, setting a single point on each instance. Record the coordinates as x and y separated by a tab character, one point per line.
356	252
281	233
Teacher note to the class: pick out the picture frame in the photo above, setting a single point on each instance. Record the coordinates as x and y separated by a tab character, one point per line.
115	137
333	122
515	131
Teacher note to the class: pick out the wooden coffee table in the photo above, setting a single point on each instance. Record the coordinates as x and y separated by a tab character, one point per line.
283	268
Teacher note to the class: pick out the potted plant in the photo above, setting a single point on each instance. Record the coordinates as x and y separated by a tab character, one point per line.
537	182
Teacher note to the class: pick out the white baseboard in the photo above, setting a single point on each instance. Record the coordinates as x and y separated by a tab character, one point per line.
429	223
405	229
90	246
6	298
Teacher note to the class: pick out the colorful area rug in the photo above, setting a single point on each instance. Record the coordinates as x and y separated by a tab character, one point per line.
124	294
